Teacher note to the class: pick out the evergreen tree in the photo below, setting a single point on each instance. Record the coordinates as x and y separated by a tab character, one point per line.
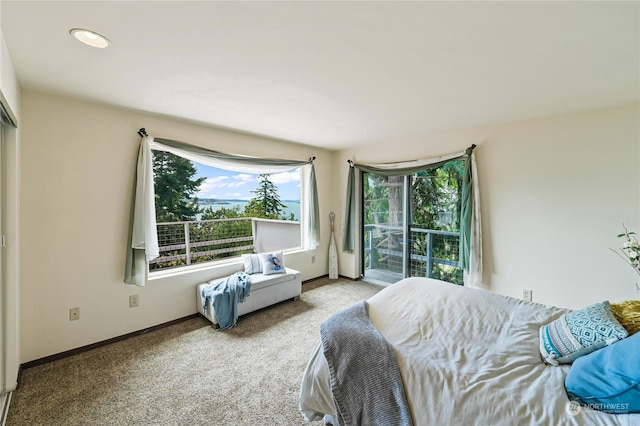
437	191
266	203
174	188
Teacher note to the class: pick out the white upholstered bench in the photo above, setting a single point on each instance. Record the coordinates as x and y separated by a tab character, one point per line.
266	290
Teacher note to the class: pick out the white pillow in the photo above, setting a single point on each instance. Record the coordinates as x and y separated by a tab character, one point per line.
272	263
252	263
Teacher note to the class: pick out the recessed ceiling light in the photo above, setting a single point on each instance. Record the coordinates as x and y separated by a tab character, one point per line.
90	38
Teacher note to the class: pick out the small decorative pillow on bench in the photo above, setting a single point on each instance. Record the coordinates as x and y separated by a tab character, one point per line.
252	264
272	263
265	263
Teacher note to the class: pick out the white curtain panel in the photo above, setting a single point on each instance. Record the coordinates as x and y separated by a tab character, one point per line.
145	235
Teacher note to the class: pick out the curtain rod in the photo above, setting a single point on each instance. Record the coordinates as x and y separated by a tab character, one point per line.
143	132
467	151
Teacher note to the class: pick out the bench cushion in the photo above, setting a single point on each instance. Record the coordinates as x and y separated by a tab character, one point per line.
259	281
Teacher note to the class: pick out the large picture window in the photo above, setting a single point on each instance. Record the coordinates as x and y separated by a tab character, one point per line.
206	214
143	245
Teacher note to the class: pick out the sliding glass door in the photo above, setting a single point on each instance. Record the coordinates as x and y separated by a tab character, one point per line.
411	224
384	219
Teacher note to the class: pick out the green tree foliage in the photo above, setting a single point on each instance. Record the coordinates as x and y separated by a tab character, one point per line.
174	188
435	201
208	213
266	204
376	199
230	235
436	205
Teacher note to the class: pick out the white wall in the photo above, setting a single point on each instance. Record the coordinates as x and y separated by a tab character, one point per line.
78	162
554	195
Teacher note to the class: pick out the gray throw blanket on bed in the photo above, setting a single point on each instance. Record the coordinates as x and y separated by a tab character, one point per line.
365	378
225	296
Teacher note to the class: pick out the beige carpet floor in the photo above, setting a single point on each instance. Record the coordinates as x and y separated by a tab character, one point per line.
189	373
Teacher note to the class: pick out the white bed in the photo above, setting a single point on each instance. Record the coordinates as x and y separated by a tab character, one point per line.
466	357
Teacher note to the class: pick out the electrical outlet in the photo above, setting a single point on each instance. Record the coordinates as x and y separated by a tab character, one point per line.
74	314
133	300
313	259
527	295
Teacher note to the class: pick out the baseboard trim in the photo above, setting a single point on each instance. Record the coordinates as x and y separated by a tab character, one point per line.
310	280
81	349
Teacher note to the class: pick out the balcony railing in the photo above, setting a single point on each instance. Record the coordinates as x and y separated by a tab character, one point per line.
186	243
426	252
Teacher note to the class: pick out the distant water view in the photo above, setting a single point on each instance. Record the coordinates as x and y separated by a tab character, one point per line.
292	206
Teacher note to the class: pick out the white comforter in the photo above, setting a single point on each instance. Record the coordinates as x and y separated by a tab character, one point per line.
466	357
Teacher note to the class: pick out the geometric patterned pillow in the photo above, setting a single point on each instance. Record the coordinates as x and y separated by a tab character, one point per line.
579	333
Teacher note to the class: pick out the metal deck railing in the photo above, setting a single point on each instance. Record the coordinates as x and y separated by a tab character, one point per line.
190	242
425	253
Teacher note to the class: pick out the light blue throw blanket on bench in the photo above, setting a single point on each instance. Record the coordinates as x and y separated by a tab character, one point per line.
365	378
225	296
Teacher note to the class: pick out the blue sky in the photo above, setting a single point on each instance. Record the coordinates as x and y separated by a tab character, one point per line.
223	184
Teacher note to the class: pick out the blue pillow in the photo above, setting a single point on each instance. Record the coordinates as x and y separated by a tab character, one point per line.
579	333
608	379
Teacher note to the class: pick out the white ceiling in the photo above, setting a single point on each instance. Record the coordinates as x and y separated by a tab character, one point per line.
334	74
